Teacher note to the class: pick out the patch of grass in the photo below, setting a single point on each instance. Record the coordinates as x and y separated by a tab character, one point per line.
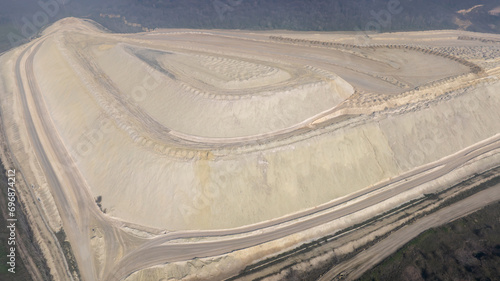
3	258
21	273
466	249
68	252
98	201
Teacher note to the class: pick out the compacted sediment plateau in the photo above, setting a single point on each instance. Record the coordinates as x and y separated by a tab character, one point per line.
192	154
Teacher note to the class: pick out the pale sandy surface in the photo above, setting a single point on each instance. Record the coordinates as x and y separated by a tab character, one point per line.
196	130
201	90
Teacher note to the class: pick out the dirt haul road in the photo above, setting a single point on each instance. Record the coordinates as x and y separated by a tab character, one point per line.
155	253
123	253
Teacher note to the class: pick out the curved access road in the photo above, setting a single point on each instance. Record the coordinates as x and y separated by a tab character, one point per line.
158	251
72	196
77	208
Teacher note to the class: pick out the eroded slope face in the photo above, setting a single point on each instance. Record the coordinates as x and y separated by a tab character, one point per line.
209	130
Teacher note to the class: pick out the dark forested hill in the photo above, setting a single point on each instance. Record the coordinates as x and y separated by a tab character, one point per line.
136	15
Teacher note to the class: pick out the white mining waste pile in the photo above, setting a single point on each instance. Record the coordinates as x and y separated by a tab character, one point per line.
177	130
